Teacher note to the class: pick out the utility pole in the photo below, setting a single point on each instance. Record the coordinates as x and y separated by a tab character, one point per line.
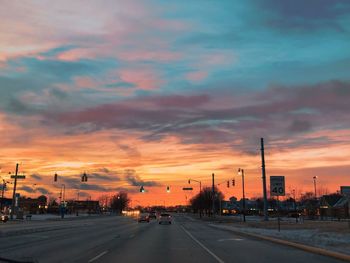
266	216
213	194
14	193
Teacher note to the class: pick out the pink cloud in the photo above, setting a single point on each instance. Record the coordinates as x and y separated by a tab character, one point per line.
150	55
197	76
85	82
145	79
75	54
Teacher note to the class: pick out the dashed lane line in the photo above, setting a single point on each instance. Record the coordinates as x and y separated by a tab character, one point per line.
203	246
98	256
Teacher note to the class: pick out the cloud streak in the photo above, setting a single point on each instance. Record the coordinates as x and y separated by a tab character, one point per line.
135	180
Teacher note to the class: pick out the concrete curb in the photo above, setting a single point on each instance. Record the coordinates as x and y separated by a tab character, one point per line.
307	248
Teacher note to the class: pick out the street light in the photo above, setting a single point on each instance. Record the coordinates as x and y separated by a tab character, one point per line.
241	173
315	178
200	195
62	199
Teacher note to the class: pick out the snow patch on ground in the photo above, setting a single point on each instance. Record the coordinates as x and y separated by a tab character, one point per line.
339	242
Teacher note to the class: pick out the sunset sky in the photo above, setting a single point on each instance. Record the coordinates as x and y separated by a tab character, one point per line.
156	92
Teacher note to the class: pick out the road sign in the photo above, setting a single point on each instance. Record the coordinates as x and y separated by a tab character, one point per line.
277	186
187	188
18	176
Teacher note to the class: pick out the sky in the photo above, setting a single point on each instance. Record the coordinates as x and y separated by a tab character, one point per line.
156	92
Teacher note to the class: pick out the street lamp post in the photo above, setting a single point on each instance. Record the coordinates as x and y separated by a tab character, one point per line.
315	178
62	199
200	195
241	173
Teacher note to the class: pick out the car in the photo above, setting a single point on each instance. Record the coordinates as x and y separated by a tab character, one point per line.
153	215
294	214
4	218
165	218
143	218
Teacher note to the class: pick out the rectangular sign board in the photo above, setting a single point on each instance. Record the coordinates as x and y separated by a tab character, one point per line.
18	176
345	190
187	188
277	186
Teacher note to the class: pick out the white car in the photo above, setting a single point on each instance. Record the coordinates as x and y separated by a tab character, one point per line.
165	218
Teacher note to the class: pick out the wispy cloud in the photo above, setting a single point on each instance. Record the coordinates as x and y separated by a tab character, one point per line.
133	179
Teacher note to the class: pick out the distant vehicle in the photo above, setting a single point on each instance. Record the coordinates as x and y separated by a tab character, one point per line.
294	214
143	218
4	218
153	215
165	218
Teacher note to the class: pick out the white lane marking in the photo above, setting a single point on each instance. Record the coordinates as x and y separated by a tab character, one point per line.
131	236
230	239
98	256
204	247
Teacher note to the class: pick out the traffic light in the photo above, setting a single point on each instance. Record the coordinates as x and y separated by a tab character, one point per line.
233	182
228	184
84	177
168	189
55	177
142	190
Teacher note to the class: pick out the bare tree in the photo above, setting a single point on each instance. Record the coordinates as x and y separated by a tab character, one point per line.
204	200
120	201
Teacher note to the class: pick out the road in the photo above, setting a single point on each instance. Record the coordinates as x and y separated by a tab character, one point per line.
122	239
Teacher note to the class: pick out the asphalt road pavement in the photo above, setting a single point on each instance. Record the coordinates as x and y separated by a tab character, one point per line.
122	239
